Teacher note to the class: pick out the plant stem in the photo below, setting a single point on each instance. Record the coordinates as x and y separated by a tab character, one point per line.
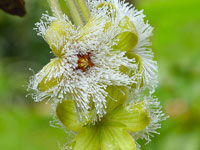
54	5
78	20
65	9
84	9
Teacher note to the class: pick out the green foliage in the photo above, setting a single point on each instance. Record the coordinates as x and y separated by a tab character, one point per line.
23	129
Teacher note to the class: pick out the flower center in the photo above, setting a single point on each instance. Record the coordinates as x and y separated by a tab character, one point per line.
84	62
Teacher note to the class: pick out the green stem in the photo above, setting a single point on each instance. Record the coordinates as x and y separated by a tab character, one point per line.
65	9
75	13
84	9
54	5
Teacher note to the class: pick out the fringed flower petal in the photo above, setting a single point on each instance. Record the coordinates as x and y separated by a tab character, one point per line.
49	76
57	36
94	26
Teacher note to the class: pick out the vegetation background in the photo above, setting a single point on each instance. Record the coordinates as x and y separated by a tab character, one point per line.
24	125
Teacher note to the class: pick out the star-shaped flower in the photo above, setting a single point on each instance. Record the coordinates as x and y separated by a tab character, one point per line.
112	131
88	60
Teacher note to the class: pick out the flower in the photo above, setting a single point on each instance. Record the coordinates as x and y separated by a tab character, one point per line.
112	59
84	66
103	75
112	131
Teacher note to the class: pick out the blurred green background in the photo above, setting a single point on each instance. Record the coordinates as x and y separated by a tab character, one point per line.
24	125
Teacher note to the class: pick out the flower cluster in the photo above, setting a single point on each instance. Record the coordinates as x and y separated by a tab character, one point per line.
102	78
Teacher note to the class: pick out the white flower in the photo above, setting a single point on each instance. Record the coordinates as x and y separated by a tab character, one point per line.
100	73
65	77
112	49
